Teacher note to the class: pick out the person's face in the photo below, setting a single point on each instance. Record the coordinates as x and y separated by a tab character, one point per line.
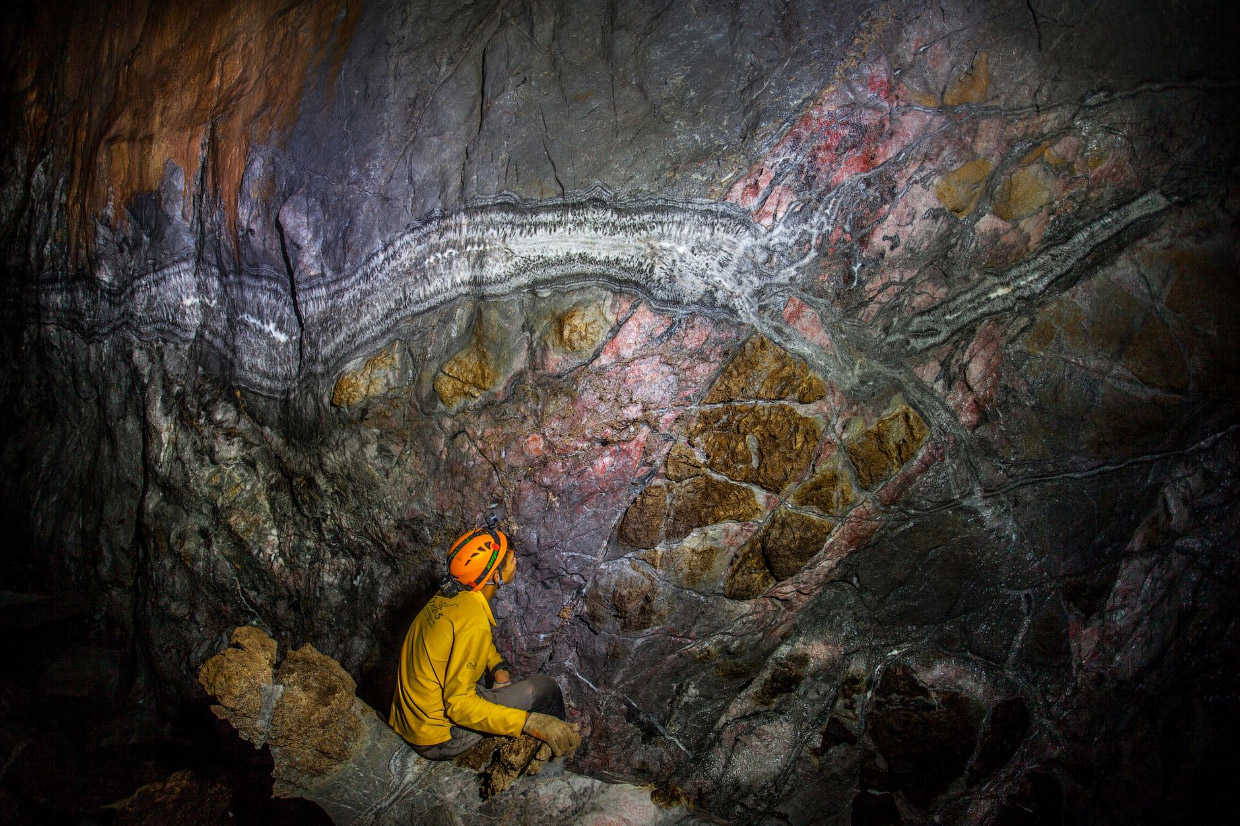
510	566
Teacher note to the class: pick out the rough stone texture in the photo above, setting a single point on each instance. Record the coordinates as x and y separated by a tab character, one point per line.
314	725
762	371
501	760
957	278
830	489
885	446
790	539
377	376
768	445
237	678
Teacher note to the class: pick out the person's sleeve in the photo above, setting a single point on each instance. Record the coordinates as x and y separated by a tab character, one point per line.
472	650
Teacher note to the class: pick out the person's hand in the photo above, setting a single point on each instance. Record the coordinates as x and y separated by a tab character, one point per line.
561	736
500	678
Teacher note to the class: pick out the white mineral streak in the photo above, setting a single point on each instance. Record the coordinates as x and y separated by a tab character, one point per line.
697	256
1004	291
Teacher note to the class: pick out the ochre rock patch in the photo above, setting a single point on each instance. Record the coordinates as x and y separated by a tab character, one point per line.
1024	192
306	714
780	550
692	499
467	375
314	724
769	445
705	500
886	445
501	760
374	378
960	189
681	463
830	489
763	371
236	678
580	328
642	525
748	575
790	539
971	86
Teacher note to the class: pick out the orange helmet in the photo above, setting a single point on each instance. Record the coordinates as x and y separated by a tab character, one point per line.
475	555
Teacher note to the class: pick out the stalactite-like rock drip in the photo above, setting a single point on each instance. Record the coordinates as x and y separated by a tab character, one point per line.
331	748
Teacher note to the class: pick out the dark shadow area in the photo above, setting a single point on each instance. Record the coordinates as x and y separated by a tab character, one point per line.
377	681
79	746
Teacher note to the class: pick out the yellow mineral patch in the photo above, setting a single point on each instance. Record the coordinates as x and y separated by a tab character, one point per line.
580	328
960	189
467	375
763	370
972	86
886	445
830	490
1025	191
374	378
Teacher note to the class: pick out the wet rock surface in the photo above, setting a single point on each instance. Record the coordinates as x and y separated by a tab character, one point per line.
868	438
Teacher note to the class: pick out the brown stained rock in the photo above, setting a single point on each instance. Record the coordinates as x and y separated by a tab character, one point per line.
642	525
1024	192
830	489
748	576
517	756
763	371
689	562
501	760
971	86
580	328
886	445
314	724
182	799
467	375
633	601
236	678
374	378
682	463
768	445
960	189
790	539
705	500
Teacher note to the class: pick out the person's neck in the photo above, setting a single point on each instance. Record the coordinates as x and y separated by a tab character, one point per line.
488	591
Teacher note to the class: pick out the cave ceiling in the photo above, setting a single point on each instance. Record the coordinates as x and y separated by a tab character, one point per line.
857	380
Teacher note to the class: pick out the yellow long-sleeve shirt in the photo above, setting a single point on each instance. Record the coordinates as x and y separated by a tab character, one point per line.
446	651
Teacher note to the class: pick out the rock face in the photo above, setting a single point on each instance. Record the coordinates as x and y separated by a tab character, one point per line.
856	381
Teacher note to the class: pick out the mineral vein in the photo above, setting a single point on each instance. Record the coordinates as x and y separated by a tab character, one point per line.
677	254
1002	292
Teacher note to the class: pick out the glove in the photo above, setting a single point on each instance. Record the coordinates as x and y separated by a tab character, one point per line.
561	736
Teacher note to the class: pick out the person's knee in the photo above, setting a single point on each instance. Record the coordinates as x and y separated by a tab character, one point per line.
548	698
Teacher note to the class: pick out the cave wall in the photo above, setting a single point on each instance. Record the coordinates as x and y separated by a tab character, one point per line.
856	380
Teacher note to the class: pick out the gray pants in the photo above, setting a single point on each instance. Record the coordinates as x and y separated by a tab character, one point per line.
539	693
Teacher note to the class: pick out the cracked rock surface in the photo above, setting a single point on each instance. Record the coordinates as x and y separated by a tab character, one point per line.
856	381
